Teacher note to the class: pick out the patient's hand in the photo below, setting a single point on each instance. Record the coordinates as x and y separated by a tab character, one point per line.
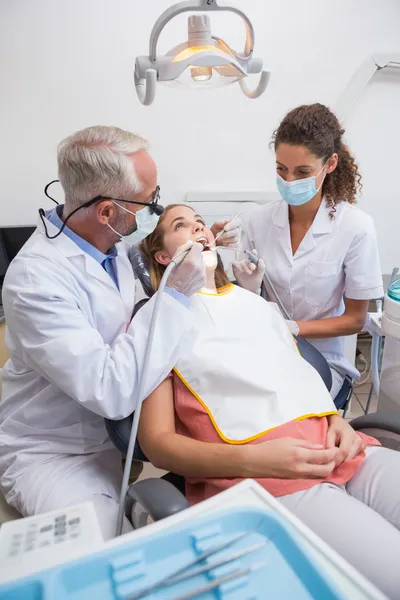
288	458
342	436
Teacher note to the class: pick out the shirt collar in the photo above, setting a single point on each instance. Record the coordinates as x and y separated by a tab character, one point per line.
281	217
321	224
100	257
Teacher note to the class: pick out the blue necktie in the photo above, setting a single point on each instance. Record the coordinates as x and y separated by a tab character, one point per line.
110	266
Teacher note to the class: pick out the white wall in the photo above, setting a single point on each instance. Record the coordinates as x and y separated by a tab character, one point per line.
67	65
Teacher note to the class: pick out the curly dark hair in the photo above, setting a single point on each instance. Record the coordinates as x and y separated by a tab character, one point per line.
318	129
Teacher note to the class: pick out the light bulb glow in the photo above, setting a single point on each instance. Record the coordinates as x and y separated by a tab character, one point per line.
201	73
193	50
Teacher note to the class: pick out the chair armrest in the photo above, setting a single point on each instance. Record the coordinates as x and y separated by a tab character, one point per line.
159	498
383	421
316	360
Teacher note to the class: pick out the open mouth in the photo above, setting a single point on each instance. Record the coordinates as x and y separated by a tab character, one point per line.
205	242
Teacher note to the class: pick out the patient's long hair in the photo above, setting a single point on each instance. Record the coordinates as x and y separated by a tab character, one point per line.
154	243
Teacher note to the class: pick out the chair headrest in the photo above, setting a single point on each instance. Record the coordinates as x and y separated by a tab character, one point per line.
141	270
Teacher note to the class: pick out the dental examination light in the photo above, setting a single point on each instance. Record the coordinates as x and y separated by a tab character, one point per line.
204	61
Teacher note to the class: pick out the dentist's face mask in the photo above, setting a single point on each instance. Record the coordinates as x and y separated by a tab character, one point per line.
300	191
146	222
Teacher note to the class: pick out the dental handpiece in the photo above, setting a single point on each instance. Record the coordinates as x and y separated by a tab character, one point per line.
181	257
254	258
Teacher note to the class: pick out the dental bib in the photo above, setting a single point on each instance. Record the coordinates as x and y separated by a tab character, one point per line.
245	369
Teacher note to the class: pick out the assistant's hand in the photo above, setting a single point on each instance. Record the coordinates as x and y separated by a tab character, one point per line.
248	275
341	435
189	276
232	234
293	327
288	458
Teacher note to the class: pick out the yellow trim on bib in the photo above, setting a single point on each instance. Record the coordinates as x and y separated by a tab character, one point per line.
296	344
223	291
254	437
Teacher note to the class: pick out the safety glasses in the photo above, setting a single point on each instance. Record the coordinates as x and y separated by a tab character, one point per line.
153	206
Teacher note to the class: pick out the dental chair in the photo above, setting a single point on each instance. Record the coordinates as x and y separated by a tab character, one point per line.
159	498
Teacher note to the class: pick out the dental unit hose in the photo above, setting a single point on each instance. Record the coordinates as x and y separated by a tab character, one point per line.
253	258
136	415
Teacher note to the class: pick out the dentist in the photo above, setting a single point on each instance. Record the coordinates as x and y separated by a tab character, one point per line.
75	353
320	251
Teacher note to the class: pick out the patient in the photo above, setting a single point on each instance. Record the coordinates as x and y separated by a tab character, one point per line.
243	403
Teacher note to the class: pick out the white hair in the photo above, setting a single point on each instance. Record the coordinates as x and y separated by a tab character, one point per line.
96	161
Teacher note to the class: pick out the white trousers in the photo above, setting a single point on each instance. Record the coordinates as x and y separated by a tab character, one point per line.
67	480
360	520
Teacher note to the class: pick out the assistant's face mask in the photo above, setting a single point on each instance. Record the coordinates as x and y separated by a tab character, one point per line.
146	222
300	191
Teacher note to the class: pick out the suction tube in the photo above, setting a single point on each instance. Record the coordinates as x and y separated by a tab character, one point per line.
136	415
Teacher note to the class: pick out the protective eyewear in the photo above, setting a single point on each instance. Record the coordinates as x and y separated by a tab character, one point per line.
153	206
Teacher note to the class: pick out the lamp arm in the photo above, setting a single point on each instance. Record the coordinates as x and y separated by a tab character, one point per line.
199	6
146	88
260	89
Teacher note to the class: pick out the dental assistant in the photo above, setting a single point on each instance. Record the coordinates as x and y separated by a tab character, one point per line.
76	354
320	251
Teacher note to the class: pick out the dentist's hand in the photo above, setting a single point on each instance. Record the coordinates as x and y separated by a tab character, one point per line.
189	275
232	234
248	275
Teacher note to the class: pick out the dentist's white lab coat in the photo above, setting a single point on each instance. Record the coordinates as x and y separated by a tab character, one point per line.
75	359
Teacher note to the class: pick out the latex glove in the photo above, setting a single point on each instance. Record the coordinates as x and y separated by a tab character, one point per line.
189	275
232	235
293	327
248	275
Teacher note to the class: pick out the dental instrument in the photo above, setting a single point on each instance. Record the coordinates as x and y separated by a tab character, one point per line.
180	575
204	61
253	258
217	563
224	579
213	244
146	361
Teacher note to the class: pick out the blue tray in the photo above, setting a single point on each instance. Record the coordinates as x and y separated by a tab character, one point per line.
287	570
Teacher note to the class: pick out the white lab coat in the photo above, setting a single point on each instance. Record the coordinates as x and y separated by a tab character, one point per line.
76	358
336	258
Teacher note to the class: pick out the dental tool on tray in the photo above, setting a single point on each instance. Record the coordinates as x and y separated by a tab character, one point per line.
181	573
208	587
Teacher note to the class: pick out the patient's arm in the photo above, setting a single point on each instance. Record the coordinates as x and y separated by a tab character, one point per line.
168	450
284	458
